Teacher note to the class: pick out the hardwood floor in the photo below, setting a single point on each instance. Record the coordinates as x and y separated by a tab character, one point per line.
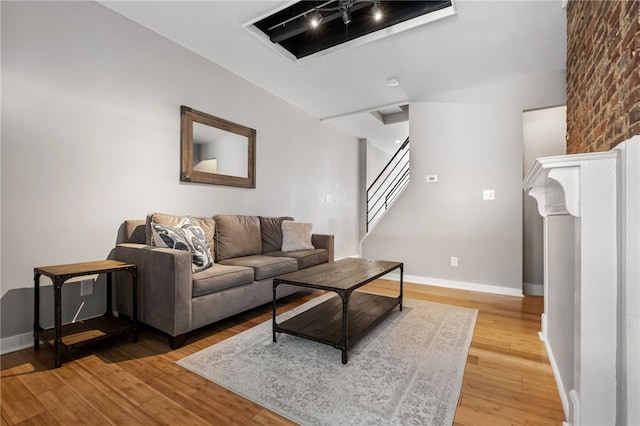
507	380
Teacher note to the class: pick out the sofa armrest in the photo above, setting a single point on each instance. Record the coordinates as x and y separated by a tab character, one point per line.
164	286
324	241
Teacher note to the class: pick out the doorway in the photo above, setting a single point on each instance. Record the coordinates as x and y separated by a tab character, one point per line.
543	135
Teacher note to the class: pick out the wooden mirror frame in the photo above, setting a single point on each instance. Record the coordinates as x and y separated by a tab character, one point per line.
187	117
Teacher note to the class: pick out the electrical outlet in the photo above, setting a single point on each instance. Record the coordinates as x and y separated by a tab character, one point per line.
86	287
432	178
454	261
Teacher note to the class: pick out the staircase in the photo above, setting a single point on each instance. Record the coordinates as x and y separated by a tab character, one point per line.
389	184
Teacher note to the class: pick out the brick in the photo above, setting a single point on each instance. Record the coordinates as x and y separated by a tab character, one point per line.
634	114
603	73
614	17
632	99
634	129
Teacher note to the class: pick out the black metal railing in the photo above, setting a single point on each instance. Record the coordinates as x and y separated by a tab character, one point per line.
388	185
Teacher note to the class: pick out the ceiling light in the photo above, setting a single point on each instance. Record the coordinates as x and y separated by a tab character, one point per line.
393	82
398	140
376	12
316	19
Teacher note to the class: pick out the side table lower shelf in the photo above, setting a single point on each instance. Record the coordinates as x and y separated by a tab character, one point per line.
87	331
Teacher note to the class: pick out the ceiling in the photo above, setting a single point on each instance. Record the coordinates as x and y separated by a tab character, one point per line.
484	42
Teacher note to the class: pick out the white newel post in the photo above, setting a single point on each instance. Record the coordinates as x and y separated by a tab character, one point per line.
584	187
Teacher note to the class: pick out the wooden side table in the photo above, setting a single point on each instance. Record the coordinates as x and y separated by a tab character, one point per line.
61	338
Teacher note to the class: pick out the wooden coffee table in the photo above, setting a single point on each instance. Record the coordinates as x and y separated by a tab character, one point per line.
361	311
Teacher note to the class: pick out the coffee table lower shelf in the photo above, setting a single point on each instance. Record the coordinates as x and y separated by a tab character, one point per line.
323	323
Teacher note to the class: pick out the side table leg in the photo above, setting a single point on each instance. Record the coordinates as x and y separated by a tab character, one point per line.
36	310
57	343
134	277
109	310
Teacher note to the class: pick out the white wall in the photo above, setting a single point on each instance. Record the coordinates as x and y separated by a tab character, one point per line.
377	159
437	222
471	148
91	136
544	135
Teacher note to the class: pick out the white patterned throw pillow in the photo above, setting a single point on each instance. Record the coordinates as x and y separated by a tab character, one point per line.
187	236
296	236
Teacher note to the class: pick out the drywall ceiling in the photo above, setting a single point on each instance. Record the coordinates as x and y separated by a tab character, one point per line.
484	42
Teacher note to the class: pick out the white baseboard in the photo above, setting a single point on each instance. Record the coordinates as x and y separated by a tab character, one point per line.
460	285
16	343
531	289
564	397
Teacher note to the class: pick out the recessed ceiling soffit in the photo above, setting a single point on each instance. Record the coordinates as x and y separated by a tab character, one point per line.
393	115
308	29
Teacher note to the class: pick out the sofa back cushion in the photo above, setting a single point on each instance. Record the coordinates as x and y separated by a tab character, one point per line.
207	224
135	231
237	236
271	232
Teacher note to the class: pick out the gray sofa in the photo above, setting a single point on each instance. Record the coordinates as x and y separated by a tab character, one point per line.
247	253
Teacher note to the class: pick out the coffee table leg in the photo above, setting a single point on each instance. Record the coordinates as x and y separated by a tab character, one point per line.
345	337
275	285
401	273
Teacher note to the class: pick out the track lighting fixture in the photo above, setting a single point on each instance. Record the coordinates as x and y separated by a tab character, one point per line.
376	12
316	19
346	16
332	9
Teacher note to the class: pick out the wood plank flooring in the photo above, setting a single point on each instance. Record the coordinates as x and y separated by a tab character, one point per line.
507	380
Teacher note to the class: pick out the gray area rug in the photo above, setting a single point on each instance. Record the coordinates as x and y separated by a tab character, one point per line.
406	371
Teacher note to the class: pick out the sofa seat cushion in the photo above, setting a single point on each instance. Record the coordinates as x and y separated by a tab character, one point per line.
220	277
265	266
305	258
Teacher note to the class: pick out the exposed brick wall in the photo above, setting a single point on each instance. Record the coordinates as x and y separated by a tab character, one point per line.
603	73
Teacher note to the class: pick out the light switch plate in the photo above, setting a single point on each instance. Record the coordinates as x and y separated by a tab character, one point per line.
488	194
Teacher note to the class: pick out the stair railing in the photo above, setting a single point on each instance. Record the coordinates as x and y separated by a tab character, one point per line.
386	187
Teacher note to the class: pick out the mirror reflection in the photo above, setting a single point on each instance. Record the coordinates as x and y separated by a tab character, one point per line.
216	151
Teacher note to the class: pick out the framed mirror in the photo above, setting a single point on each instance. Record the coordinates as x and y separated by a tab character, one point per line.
216	151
